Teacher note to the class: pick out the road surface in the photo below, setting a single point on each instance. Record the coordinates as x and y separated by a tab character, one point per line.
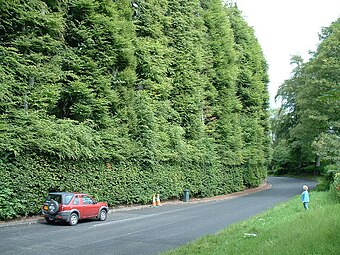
144	231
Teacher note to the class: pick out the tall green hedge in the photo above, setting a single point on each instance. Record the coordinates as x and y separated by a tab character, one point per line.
27	180
124	99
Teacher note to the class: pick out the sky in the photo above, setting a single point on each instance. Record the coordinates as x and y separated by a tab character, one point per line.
285	28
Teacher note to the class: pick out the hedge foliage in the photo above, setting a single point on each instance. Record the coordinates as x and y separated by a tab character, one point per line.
123	99
30	177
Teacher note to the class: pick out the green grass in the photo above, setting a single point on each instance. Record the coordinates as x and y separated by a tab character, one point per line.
285	229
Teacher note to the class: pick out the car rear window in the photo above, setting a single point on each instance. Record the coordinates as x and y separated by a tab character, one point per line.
58	198
55	197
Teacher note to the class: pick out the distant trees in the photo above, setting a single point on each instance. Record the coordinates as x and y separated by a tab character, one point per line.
124	98
307	125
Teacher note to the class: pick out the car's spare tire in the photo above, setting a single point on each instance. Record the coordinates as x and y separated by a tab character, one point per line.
53	207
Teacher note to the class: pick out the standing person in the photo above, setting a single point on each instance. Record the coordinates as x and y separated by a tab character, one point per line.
305	197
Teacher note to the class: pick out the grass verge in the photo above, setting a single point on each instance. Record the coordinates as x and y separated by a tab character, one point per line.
285	229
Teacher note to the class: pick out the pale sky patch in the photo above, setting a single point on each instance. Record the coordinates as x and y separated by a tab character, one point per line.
287	28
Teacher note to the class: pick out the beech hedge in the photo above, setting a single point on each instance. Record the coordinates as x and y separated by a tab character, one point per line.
26	181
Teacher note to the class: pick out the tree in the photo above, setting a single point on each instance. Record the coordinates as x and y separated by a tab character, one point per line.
252	91
310	106
222	108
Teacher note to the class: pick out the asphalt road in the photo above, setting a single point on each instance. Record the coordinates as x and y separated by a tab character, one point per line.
146	230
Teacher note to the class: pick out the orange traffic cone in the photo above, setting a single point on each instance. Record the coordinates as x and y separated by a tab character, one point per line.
153	200
158	201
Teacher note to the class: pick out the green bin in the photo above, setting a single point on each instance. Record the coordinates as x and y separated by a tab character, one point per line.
186	195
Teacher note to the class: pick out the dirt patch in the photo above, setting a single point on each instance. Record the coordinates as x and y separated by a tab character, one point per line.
263	186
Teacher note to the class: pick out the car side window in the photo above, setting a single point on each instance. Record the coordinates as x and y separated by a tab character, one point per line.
76	201
68	199
87	200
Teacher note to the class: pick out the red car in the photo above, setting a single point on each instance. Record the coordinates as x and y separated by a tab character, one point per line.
72	207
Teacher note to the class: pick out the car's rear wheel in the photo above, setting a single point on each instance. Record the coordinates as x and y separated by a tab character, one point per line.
73	219
50	220
103	215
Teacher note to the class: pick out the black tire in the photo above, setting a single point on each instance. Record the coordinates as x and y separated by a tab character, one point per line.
74	218
102	215
50	220
53	207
